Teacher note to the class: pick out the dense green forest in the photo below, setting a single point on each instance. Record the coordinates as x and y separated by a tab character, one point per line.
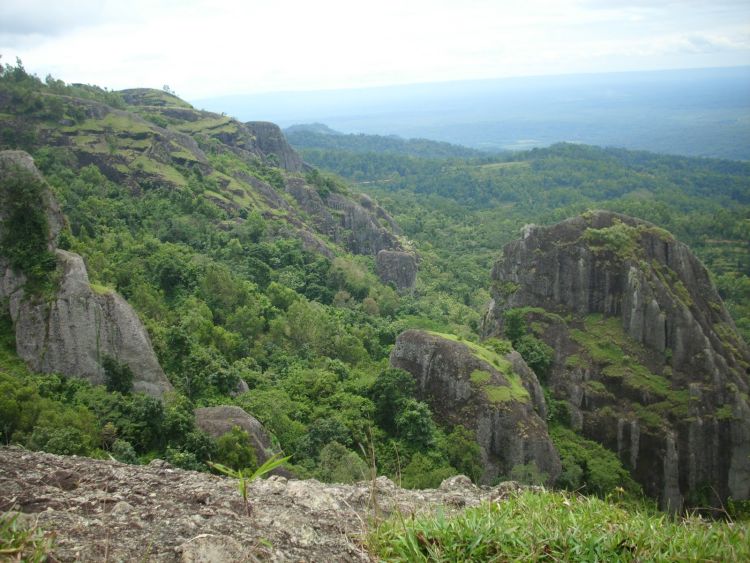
317	135
228	292
462	211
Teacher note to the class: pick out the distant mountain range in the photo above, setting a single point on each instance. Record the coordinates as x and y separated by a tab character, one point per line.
696	112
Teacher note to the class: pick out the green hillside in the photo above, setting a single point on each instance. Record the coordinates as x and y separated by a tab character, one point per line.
463	211
249	274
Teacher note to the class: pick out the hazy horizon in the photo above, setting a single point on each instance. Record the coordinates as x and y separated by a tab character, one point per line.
695	112
207	49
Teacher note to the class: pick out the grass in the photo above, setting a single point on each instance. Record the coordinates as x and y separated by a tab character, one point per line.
115	122
155	168
22	543
514	390
209	125
101	289
606	344
558	526
479	376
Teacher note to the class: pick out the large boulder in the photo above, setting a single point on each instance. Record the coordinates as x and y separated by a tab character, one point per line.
217	421
72	331
399	268
646	354
495	395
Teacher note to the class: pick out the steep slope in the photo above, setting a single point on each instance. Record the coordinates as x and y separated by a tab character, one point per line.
495	395
646	355
75	327
147	139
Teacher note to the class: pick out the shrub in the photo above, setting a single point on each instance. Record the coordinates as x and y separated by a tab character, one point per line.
24	231
235	450
118	376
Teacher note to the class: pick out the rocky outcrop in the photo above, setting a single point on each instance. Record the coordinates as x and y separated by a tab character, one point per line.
271	141
646	353
216	421
344	220
399	268
486	392
106	510
74	330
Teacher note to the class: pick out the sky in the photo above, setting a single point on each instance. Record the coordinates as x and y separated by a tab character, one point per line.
202	48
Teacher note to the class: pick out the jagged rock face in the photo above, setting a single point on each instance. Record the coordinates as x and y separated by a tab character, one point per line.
646	353
74	331
270	140
400	268
106	510
216	421
497	397
344	220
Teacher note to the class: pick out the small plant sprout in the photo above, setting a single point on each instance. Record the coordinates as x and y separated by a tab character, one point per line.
244	477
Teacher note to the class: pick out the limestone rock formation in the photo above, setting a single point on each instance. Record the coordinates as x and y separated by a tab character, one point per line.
216	421
77	328
646	353
397	267
106	510
271	141
467	384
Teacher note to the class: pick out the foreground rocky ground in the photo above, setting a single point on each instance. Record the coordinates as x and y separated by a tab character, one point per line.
106	510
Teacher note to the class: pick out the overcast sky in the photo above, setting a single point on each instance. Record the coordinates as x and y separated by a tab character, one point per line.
204	48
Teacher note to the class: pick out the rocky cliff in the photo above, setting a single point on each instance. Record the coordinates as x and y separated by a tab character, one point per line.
645	352
72	331
496	395
106	510
271	141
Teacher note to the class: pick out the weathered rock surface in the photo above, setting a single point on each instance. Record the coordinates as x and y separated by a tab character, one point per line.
668	391
73	332
216	421
112	511
397	267
344	220
487	393
271	141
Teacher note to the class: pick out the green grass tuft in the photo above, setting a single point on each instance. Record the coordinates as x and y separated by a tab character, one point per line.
556	526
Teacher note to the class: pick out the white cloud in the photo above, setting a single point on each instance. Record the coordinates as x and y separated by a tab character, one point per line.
203	48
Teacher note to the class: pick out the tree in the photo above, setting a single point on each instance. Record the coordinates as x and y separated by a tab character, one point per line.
389	392
119	376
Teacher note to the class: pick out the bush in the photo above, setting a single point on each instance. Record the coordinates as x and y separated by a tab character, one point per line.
537	354
122	451
235	450
25	231
119	376
341	465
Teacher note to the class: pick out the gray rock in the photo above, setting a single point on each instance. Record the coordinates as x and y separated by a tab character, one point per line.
508	428
216	421
211	548
343	220
74	331
271	141
178	515
617	266
397	267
